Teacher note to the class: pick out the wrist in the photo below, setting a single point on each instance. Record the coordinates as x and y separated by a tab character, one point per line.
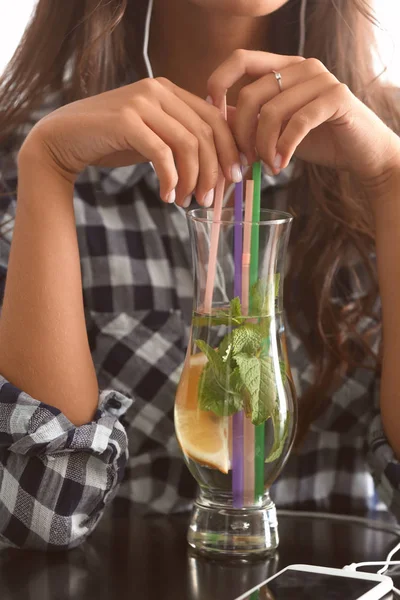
384	184
40	181
384	196
384	200
35	160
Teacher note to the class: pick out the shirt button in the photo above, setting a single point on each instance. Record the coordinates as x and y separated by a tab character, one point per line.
114	403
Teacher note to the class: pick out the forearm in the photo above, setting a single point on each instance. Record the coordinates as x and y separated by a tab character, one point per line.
387	215
43	341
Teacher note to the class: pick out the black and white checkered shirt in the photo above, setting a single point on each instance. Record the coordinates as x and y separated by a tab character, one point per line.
55	479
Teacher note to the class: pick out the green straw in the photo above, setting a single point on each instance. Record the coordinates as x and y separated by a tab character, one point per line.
255	242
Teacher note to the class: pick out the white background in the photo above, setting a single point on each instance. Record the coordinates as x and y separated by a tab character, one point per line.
14	16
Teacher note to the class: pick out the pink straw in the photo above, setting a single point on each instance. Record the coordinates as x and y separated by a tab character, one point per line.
247	246
215	229
248	427
238	418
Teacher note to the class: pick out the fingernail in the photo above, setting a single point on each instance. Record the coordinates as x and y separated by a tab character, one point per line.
268	170
171	197
209	100
278	162
187	201
208	199
236	173
243	160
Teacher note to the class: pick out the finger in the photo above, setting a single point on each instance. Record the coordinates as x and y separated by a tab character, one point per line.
329	106
280	109
207	152
230	116
245	62
253	96
148	143
227	152
184	146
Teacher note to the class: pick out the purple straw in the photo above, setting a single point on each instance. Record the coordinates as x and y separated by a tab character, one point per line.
237	419
238	241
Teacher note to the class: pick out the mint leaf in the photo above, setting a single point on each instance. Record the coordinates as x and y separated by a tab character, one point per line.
220	385
225	318
264	327
282	366
212	397
235	381
225	348
236	309
277	284
279	442
274	454
240	373
263	294
250	374
258	378
214	358
233	404
219	318
256	299
231	316
267	399
246	339
249	370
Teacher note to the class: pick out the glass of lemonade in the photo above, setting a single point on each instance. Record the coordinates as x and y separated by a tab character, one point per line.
235	409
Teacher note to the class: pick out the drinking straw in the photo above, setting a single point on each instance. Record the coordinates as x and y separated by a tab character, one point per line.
255	230
238	418
238	244
255	242
248	427
248	215
215	229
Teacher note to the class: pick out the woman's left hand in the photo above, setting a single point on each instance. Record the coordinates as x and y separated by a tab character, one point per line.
315	117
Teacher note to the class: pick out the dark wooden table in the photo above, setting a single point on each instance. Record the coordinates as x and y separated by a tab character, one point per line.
130	558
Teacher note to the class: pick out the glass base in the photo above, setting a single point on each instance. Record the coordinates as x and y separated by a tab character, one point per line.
218	529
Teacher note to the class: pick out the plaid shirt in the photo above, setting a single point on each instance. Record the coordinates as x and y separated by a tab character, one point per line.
56	479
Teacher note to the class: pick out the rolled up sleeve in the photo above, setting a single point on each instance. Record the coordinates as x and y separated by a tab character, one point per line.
56	478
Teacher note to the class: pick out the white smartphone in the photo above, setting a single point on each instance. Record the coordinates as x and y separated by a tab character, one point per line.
306	582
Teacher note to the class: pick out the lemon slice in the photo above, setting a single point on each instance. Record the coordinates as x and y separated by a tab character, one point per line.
202	435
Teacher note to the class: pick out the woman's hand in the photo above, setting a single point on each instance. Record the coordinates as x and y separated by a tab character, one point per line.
184	137
315	117
318	119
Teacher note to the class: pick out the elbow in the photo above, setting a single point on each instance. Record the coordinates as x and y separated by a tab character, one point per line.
42	507
54	502
55	478
44	531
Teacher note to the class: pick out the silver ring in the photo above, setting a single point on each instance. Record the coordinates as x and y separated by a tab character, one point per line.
278	77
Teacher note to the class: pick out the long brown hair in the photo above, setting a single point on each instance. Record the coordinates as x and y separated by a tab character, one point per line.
84	47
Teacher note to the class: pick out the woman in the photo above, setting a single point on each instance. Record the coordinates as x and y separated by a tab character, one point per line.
63	447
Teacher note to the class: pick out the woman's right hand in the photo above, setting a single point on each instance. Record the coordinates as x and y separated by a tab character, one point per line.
154	120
